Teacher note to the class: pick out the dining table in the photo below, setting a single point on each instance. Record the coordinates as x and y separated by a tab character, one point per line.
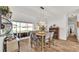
42	35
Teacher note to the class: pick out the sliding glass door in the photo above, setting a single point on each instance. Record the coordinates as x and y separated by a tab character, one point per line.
20	27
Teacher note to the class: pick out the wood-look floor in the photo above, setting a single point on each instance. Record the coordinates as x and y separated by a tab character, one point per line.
60	46
69	45
72	38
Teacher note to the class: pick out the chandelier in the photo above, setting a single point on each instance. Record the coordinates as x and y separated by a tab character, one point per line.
42	24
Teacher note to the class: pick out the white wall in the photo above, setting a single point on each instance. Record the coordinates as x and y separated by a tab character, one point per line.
78	28
62	24
60	21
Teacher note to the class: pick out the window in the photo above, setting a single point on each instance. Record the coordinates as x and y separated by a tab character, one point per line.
30	27
24	27
14	27
19	27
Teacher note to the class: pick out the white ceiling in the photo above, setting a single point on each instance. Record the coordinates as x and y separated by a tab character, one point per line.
34	13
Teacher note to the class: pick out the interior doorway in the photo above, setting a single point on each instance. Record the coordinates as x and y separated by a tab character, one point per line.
72	28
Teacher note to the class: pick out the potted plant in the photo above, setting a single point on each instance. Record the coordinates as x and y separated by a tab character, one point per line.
4	10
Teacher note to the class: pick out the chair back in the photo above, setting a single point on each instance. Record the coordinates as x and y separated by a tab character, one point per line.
51	35
33	36
47	35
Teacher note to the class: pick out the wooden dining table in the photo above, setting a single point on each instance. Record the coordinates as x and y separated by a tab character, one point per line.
42	35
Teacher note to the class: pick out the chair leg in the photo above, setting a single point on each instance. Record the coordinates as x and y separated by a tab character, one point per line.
53	41
18	46
36	44
31	44
49	43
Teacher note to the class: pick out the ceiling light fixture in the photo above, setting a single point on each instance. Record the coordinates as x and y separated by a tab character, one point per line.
42	22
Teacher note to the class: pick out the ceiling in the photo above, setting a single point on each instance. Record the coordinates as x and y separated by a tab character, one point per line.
34	13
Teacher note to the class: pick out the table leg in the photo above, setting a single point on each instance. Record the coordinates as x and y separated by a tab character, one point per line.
42	44
18	46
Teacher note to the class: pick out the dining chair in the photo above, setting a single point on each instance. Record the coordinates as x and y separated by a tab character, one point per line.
34	40
49	38
10	45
